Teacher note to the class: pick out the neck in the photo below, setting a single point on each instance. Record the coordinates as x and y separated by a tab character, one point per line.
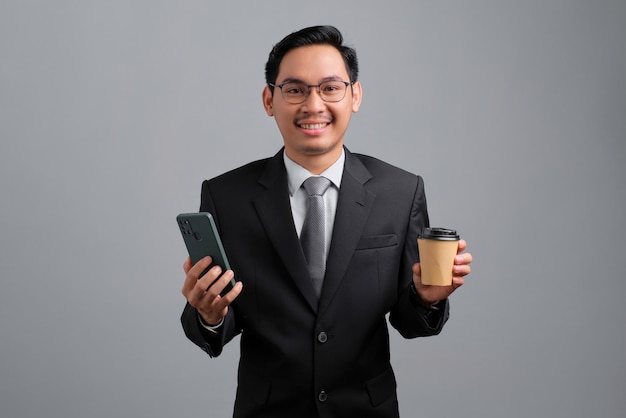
315	163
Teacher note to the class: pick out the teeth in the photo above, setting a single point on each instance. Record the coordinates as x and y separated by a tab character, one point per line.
312	125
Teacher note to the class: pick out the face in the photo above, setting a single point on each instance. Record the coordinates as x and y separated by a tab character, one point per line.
312	131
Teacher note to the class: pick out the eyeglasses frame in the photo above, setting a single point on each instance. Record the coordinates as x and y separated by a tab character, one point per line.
309	86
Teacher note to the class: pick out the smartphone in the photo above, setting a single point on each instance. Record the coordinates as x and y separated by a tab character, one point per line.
202	239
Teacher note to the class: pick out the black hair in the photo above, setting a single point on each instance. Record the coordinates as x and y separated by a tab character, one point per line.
314	35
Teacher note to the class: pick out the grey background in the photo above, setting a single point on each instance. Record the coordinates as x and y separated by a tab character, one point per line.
112	113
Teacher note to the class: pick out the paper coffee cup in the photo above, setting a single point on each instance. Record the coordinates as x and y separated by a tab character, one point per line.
437	250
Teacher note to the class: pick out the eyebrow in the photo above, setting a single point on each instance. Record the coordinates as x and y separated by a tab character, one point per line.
325	79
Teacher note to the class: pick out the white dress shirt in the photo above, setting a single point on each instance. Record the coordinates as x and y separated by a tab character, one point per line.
296	175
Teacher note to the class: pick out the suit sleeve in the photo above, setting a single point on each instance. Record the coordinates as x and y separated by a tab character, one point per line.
210	342
409	317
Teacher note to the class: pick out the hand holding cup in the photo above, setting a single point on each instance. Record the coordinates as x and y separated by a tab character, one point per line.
442	265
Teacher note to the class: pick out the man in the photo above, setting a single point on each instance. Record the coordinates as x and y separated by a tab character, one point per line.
315	344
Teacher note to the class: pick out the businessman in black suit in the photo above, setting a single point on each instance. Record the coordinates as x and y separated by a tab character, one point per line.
315	346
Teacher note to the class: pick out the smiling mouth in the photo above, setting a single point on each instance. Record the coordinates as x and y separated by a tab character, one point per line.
313	126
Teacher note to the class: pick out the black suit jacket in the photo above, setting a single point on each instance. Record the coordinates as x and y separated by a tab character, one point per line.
300	356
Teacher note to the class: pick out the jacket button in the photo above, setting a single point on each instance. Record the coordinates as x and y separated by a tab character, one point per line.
322	337
322	396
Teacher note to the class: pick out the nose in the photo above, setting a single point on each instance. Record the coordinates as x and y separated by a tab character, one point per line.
314	101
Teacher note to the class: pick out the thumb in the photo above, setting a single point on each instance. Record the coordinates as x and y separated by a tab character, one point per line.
417	269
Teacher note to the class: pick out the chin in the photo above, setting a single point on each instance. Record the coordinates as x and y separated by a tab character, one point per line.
318	149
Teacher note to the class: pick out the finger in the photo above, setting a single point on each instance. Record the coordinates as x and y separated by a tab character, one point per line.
191	280
214	306
461	270
199	296
205	282
187	265
457	282
229	297
465	258
462	246
197	269
219	283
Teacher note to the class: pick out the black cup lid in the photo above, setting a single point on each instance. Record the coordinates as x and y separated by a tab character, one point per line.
440	234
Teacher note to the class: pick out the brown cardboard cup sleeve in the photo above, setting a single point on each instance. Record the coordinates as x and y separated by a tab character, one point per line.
437	250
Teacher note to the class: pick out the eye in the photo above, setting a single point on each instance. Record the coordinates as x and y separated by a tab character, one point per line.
333	87
294	89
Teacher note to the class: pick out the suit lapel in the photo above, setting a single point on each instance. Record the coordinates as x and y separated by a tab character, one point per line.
274	210
353	208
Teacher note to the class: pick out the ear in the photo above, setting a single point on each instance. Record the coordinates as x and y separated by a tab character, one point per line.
268	101
357	95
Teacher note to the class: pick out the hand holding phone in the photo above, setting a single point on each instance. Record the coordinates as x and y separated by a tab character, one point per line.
202	239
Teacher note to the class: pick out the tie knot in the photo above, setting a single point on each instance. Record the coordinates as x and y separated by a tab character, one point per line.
316	186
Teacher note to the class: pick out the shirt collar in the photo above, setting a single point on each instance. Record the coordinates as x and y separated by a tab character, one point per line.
296	174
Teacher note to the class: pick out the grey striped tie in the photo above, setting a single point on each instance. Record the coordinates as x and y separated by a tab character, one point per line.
312	237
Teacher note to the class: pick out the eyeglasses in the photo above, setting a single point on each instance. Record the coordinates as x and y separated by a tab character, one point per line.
330	91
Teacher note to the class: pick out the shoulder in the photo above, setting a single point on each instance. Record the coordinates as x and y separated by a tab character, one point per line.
375	163
249	170
382	171
247	178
